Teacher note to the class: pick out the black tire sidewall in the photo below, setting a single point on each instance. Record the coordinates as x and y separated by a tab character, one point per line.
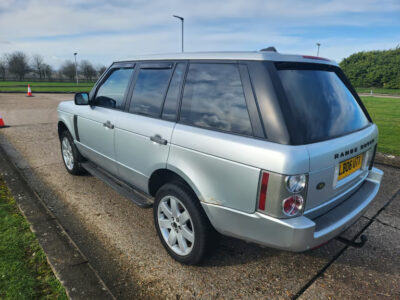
201	225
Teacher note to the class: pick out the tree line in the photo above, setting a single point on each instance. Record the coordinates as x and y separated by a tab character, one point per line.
373	68
18	65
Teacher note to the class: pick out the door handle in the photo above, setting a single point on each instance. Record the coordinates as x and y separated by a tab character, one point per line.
158	139
108	124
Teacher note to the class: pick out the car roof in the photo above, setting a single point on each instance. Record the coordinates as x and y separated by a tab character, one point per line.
248	55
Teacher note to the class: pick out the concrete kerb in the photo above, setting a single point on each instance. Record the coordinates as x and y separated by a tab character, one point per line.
387	159
69	264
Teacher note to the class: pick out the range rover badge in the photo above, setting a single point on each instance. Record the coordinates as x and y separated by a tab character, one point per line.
320	185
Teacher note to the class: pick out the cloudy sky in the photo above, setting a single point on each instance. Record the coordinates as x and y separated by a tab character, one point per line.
102	31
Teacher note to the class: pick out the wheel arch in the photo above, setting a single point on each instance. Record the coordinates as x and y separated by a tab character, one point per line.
162	176
65	122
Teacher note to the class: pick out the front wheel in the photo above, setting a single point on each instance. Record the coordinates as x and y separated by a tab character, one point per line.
70	154
181	224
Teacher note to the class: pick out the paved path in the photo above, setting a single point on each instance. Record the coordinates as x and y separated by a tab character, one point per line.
120	241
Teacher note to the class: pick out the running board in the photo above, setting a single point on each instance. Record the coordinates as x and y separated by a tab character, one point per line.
137	197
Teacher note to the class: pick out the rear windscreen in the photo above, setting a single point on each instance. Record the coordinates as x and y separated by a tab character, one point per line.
320	106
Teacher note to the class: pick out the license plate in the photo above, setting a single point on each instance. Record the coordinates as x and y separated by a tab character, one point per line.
349	166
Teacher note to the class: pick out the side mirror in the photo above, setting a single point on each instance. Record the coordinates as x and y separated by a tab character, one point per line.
81	99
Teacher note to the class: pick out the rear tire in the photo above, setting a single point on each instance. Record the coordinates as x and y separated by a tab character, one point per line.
181	224
70	154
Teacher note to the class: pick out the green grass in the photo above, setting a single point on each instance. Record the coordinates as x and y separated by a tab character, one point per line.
22	86
385	112
43	83
46	89
379	91
24	271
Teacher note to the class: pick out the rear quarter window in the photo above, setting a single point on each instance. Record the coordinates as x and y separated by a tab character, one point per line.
213	98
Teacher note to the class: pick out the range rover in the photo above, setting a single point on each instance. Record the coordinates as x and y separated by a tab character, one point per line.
270	148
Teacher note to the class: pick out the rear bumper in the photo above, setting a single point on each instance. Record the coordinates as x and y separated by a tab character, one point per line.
296	234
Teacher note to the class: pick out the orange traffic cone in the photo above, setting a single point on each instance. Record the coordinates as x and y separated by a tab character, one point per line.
29	91
2	123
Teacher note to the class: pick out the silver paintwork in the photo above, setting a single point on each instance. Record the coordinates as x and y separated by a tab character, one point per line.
245	55
176	225
96	138
295	234
137	155
224	169
323	163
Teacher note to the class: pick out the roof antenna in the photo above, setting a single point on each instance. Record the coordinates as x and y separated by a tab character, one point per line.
270	49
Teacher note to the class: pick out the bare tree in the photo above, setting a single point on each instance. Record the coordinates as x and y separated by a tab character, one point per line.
68	69
38	64
101	70
3	68
87	69
18	64
47	71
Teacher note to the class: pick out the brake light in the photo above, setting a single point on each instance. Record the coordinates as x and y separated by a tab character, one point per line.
293	205
263	191
315	57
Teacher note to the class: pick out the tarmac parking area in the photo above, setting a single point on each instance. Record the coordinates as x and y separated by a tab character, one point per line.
120	241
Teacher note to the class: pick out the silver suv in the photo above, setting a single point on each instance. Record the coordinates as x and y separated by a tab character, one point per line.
270	148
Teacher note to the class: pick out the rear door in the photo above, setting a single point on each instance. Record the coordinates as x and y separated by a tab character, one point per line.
143	135
96	122
217	125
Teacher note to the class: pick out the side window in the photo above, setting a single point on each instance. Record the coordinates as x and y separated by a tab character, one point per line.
171	101
149	91
111	92
214	98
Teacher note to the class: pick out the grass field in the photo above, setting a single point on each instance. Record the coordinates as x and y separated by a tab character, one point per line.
379	91
385	112
24	271
22	86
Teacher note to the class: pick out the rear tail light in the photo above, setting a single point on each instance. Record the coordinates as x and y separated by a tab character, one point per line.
282	196
296	183
293	205
263	191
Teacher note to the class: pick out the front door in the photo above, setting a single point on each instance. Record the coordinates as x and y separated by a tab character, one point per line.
143	135
96	123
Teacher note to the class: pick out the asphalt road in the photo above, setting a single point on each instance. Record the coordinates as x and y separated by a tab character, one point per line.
120	240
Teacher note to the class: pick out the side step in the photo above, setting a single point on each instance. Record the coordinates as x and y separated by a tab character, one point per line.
137	197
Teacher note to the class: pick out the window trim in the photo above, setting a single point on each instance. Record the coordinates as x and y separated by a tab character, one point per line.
157	65
149	65
231	62
180	91
252	105
105	76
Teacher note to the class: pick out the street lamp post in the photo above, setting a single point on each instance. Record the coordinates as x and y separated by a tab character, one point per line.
76	70
318	44
182	21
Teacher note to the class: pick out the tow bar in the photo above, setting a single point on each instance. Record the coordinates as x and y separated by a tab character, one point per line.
360	244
